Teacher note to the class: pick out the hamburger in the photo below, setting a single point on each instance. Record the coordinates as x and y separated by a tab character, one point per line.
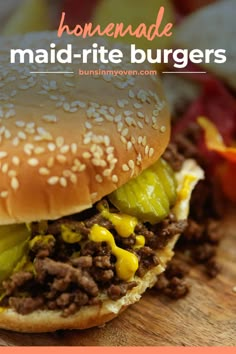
90	208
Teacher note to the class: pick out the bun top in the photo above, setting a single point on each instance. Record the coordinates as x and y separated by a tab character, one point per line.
67	140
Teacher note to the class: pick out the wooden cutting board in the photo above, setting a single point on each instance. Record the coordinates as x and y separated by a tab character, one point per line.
207	316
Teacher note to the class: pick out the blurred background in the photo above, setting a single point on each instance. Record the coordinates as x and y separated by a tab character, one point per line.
32	15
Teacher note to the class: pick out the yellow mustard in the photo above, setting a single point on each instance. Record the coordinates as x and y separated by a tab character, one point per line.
69	236
140	242
123	224
184	192
126	262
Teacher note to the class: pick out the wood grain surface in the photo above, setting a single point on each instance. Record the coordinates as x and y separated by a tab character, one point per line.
207	316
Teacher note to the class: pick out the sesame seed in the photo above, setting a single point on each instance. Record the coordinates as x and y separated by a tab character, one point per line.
51	147
99	178
125	168
21	135
64	149
112	110
50	118
128	113
120	104
59	141
151	152
86	155
28	149
125	132
39	150
155	113
10	113
106	140
137	105
61	158
82	168
140	139
146	151
131	164
7	134
144	140
20	123
33	162
114	178
73	178
129	145
118	118
15	183
106	172
4	194
5	167
3	154
44	171
63	182
123	139
131	94
162	129
16	160
140	124
53	180
88	125
140	114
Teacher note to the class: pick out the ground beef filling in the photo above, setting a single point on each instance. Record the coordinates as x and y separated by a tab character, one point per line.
67	276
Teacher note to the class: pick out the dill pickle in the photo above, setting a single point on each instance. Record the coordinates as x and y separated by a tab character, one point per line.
166	175
13	245
148	196
10	258
12	235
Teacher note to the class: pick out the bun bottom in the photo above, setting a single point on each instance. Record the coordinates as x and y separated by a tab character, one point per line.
96	315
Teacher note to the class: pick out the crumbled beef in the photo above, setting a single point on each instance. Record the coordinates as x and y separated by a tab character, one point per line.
95	249
147	260
44	249
26	305
125	242
103	275
173	157
16	281
100	220
177	288
82	261
172	282
54	228
212	268
165	231
176	268
102	261
116	291
66	272
157	236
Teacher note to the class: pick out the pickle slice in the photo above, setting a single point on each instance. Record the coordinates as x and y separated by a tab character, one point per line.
12	235
149	196
166	175
10	258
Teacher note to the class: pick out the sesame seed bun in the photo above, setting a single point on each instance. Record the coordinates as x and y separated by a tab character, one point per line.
68	140
95	315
